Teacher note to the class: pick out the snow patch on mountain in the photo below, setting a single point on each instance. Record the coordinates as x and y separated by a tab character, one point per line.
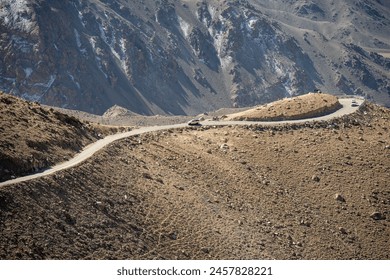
117	45
48	84
78	42
74	80
28	71
226	61
97	51
212	10
184	26
17	14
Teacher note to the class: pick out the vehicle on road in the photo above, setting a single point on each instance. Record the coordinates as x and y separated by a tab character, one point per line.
354	103
194	122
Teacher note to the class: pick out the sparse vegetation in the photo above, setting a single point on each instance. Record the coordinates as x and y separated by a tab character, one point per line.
34	137
308	191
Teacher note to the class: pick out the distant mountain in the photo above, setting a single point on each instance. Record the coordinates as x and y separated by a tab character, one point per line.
187	57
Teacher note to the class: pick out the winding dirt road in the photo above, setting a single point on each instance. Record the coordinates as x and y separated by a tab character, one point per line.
89	150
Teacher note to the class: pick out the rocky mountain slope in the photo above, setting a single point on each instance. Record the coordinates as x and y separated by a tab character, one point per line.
308	191
33	137
187	57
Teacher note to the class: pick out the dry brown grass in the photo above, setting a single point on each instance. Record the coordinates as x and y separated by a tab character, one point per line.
300	107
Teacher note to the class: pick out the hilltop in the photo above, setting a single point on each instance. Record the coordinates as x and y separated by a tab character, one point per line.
302	107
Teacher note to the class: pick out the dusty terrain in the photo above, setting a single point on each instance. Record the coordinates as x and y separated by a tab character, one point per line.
300	107
310	191
34	137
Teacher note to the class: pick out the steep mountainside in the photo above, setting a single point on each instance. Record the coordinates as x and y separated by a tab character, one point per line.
186	57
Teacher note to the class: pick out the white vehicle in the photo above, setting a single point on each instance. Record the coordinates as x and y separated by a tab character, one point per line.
194	122
354	103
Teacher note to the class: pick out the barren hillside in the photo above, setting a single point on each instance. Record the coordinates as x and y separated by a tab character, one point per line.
311	191
33	137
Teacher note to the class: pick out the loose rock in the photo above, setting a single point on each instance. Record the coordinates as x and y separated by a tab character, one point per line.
224	146
339	197
342	230
205	250
315	178
377	216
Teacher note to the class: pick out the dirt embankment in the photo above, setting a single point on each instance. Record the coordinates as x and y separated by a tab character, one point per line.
301	107
34	137
306	106
303	191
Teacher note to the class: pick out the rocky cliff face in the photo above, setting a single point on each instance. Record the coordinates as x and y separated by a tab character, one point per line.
185	57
